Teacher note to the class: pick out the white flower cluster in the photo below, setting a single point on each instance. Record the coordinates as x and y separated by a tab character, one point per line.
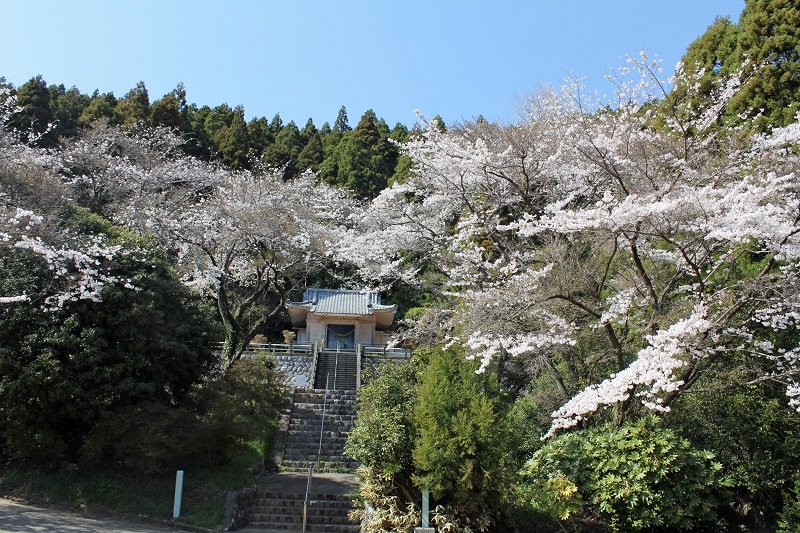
654	368
78	265
488	346
618	306
793	392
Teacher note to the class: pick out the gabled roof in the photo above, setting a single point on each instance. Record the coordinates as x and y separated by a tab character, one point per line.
334	302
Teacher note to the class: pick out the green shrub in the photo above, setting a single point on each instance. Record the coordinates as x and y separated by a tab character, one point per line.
756	436
231	413
64	370
382	437
149	437
462	452
415	313
789	518
636	477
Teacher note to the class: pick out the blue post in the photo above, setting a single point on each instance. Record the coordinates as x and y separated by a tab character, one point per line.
426	505
176	508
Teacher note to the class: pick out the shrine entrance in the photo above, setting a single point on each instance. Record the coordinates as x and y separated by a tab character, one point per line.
342	336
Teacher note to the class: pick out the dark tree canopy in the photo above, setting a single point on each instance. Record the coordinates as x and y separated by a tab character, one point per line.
768	35
35	114
364	159
61	371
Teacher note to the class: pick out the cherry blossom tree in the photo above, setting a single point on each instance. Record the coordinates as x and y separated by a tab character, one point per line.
244	238
252	240
33	229
650	227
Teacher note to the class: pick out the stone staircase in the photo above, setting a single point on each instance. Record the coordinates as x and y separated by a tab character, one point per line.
299	444
340	371
278	503
275	511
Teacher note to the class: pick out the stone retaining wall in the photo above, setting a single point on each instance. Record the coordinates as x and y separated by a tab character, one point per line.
294	367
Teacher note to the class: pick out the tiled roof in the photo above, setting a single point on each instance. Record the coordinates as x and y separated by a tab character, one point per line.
342	302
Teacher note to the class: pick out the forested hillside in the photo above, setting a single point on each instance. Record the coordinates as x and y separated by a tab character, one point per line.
363	159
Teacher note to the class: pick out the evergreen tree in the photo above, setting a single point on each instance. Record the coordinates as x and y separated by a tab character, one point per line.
260	135
767	35
170	111
312	154
235	145
67	106
461	451
364	160
325	130
770	35
276	124
284	152
402	169
102	108
134	107
216	124
34	117
198	142
341	125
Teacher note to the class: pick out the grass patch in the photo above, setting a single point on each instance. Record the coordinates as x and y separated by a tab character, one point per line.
134	495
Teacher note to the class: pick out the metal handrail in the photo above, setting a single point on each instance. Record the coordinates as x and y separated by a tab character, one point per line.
287	348
319	453
307	500
324	411
358	368
336	368
382	351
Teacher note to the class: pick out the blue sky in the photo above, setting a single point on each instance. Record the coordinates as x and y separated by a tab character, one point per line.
307	58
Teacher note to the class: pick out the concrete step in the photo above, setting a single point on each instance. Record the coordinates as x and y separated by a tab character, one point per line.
341	375
299	440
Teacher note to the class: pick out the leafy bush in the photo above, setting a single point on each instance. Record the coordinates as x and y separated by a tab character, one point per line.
633	478
756	437
789	519
239	408
433	423
61	371
382	437
149	437
379	506
231	412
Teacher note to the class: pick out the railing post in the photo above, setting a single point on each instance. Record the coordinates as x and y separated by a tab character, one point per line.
358	367
306	501
313	371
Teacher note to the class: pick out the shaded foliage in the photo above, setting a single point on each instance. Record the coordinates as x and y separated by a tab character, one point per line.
223	417
62	370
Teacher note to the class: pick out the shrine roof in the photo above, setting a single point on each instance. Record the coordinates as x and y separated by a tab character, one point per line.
342	302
